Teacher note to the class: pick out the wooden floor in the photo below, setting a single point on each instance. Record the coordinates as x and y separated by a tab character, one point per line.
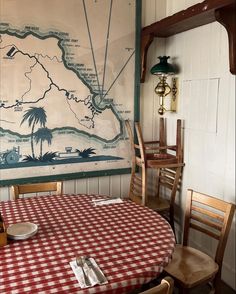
205	290
200	290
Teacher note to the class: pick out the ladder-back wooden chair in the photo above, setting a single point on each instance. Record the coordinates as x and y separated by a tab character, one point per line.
191	267
167	160
166	287
52	187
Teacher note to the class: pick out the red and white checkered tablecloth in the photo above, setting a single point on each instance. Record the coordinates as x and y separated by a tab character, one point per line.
130	243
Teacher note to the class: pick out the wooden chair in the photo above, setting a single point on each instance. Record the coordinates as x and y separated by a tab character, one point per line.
166	287
165	159
55	187
190	267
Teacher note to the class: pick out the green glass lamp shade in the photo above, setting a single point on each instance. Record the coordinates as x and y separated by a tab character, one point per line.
163	67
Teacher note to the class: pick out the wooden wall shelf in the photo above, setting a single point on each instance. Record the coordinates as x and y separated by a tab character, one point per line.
223	11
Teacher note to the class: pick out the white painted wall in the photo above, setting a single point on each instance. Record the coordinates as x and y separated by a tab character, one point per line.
207	107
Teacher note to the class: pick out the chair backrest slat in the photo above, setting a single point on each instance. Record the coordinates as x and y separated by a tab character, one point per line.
207	222
208	212
55	187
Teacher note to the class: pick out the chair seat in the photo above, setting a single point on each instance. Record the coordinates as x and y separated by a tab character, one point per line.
159	156
158	160
158	204
191	267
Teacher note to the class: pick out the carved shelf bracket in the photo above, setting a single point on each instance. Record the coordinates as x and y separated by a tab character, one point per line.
227	17
146	41
223	11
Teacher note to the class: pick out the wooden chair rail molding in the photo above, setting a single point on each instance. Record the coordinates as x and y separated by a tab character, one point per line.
223	11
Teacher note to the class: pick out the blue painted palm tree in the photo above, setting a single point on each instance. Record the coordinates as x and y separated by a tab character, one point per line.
86	152
34	115
43	134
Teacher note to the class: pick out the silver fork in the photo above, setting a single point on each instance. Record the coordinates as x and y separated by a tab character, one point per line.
80	263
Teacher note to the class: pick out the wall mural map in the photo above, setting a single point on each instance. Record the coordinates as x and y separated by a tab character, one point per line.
66	86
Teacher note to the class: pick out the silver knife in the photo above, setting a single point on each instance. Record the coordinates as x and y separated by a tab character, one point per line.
99	275
79	263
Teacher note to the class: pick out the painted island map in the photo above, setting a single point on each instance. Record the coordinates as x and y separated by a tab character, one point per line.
66	86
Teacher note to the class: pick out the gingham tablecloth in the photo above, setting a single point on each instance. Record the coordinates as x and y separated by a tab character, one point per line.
130	243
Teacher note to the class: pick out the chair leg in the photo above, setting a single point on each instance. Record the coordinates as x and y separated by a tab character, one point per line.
184	291
173	195
217	283
157	183
172	221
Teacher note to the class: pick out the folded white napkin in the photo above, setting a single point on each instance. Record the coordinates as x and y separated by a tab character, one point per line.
107	201
90	273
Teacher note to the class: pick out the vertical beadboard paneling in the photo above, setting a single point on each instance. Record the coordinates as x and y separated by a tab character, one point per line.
175	6
104	185
154	10
207	106
5	193
201	111
230	151
115	186
81	186
69	187
93	186
125	182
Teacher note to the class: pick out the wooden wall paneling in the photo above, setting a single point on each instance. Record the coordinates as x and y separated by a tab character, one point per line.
200	53
212	105
196	64
125	182
104	185
115	186
230	258
153	11
93	186
229	180
5	193
69	187
223	153
207	105
81	186
198	239
216	37
38	194
187	70
201	112
176	6
224	52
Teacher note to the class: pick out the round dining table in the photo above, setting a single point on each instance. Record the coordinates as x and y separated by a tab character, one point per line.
130	243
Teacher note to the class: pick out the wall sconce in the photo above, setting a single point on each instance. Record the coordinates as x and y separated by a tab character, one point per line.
163	69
